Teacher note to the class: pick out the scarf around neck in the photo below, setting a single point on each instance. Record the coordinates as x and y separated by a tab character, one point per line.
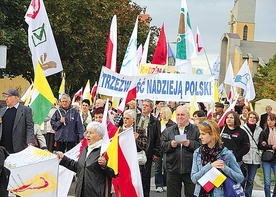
209	155
91	147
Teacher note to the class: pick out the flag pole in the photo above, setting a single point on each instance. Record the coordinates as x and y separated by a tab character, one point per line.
207	60
60	115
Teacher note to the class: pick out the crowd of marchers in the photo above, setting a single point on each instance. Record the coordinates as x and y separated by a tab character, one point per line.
183	146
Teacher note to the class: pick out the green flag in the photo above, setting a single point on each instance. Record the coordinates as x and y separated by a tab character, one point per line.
185	47
42	98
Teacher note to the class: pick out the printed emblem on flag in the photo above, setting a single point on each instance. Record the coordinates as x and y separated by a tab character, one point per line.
242	78
39	36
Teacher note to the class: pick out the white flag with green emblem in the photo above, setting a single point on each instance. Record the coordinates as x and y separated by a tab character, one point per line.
41	39
185	47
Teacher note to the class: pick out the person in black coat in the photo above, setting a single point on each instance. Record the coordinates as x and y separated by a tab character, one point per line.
179	154
4	173
94	176
234	137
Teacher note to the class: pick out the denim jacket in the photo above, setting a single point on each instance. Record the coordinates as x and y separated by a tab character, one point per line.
231	169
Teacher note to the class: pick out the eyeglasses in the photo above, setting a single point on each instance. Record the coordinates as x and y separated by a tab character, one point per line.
205	124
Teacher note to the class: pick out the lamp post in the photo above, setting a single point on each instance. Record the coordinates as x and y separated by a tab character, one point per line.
3	56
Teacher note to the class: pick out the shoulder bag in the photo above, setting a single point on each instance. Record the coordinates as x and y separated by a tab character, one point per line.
267	155
232	189
142	157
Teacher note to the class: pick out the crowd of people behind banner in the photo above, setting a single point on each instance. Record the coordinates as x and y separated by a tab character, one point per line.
234	148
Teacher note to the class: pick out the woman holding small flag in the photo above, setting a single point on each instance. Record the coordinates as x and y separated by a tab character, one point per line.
211	154
94	176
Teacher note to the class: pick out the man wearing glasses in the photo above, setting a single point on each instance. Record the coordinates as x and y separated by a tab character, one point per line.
180	153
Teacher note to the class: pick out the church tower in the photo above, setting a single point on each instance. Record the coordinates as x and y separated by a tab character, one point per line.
242	19
238	44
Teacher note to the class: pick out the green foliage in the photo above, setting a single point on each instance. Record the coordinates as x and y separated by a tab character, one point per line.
265	80
80	28
13	34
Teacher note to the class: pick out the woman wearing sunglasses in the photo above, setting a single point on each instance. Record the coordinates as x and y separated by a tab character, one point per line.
212	153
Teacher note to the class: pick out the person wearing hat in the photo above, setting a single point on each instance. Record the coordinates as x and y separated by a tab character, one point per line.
16	124
218	111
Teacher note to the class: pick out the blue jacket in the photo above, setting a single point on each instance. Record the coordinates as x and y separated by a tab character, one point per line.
72	130
231	169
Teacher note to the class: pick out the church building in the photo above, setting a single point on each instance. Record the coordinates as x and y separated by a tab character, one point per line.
239	44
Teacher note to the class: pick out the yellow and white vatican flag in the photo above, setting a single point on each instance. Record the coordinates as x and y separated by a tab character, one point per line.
193	105
41	39
62	86
34	173
86	92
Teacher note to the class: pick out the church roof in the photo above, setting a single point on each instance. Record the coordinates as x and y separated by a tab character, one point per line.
257	50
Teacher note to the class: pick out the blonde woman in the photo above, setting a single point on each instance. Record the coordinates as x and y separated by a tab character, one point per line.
212	153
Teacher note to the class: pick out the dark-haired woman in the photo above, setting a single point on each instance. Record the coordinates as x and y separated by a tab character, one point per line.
234	137
268	143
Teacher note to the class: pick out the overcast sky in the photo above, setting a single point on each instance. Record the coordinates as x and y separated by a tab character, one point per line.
212	17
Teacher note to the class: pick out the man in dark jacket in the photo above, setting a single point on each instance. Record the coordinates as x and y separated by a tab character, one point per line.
4	172
153	130
16	124
67	123
180	154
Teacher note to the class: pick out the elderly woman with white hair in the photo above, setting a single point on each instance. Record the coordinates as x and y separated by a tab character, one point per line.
139	133
141	144
94	177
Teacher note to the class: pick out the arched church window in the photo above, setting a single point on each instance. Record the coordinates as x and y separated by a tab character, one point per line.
245	32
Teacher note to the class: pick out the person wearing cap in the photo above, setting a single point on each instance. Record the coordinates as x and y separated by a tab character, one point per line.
218	111
16	124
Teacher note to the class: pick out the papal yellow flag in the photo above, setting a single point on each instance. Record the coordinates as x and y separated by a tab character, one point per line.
216	95
193	105
112	153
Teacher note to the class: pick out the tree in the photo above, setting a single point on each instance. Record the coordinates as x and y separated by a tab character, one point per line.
13	34
80	28
265	80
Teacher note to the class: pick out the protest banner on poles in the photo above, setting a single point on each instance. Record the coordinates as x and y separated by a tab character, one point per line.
160	86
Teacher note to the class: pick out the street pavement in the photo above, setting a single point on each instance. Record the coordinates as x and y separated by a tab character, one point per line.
257	192
153	193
